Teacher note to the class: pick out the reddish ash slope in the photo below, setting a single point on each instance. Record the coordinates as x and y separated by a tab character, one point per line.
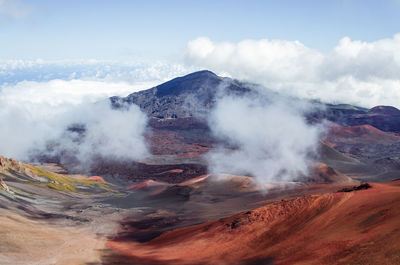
359	227
147	184
96	178
366	134
323	173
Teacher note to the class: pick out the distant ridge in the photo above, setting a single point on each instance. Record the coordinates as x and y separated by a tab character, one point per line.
192	95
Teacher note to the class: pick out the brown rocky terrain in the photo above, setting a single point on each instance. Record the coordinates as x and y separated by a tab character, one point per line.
168	209
359	227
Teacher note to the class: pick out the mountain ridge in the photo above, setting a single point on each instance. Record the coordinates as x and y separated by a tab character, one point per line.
194	95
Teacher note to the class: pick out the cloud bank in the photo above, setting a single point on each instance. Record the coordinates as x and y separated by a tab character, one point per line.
40	100
109	134
33	129
356	72
268	140
14	71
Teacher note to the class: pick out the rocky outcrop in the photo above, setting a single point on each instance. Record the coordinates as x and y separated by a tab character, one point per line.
8	166
3	185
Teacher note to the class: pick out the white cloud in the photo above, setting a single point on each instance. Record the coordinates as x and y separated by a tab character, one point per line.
34	114
40	99
110	133
13	71
274	60
271	141
14	8
363	73
56	92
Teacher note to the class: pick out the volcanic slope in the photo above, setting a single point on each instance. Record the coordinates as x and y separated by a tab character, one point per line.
359	227
179	109
51	218
188	96
174	104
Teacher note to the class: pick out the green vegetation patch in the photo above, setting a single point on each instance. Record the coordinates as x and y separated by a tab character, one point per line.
68	184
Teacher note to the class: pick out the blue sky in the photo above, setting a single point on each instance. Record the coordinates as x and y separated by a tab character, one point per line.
55	55
339	51
149	30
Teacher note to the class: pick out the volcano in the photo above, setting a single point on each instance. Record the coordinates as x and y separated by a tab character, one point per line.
169	208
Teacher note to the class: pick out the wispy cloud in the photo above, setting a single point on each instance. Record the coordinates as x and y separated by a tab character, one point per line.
261	138
40	99
14	8
38	113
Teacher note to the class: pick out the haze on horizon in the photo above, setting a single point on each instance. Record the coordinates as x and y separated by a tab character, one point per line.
336	51
152	30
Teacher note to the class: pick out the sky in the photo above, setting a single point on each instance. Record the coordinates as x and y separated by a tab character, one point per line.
58	56
131	30
342	51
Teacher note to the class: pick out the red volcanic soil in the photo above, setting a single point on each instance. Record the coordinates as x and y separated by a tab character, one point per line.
96	178
323	173
167	142
359	227
360	134
147	184
195	180
175	170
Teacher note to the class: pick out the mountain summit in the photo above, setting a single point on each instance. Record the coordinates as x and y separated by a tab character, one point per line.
192	95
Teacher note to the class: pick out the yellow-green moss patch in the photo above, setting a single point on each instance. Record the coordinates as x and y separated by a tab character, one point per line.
68	184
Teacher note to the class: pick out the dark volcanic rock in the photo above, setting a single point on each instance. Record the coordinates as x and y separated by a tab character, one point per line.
363	186
175	193
385	118
192	95
174	173
384	110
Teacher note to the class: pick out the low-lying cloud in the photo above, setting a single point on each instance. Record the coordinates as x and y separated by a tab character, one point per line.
362	73
108	134
39	70
37	111
270	141
31	129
